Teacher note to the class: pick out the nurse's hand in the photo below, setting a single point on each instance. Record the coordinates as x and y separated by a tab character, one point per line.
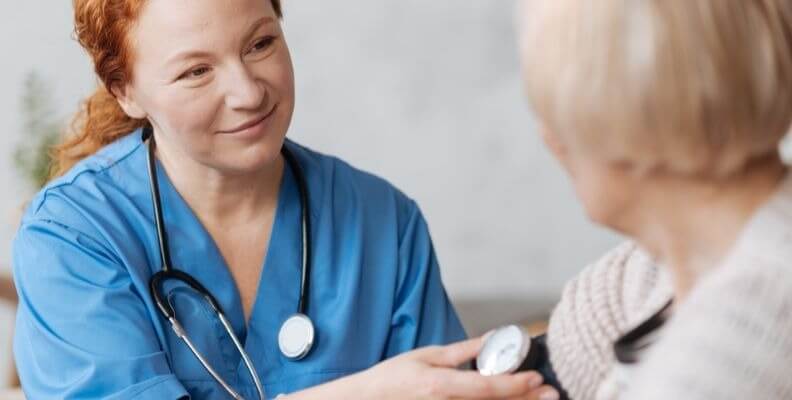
430	373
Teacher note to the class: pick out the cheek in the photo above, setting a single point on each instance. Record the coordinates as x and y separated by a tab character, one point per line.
191	110
186	114
279	75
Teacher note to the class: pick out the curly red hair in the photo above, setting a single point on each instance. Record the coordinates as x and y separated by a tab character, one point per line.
101	27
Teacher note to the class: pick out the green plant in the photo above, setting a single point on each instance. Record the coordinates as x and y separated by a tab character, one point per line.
41	132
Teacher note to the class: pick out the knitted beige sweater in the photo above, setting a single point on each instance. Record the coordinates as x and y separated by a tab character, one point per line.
730	339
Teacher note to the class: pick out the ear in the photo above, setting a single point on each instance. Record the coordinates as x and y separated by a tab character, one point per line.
126	99
554	143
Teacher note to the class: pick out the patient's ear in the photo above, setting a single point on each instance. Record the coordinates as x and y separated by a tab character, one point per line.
554	143
126	99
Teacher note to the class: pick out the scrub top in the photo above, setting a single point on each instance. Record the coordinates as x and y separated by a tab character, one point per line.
86	248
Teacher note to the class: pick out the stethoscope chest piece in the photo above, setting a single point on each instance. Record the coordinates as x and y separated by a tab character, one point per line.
296	337
506	350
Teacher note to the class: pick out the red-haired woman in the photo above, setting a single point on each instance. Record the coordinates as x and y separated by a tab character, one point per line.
186	249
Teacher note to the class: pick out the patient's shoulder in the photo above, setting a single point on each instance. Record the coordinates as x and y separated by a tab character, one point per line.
625	284
599	305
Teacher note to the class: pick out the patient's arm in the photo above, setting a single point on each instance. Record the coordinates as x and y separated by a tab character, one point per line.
597	307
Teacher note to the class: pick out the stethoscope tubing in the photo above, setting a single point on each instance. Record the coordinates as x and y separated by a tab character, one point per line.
167	272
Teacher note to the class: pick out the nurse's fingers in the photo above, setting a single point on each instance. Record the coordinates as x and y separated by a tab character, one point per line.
452	355
544	392
472	385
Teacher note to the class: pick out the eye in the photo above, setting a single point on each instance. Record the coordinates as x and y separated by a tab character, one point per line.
262	44
194	73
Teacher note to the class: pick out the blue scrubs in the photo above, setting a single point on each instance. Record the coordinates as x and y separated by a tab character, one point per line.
87	327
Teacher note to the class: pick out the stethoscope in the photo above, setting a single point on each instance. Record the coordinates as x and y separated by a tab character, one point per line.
296	335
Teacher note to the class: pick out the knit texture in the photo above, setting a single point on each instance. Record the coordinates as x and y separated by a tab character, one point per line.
731	338
605	301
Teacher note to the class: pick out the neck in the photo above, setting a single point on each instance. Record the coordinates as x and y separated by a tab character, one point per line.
223	198
690	224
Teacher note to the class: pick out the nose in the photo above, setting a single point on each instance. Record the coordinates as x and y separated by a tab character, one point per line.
244	91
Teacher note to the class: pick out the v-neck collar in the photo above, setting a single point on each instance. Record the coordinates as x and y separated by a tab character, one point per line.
195	252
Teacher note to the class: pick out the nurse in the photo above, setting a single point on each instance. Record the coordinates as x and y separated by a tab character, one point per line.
204	91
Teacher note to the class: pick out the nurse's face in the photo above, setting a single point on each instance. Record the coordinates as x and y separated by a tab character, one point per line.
215	80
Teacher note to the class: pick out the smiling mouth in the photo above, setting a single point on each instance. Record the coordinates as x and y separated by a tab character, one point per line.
252	122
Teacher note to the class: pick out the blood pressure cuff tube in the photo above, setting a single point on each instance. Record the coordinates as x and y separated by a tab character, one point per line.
545	367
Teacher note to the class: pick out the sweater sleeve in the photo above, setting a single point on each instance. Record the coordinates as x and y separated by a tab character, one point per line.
597	307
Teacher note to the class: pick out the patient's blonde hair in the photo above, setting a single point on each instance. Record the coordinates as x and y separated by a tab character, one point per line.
692	86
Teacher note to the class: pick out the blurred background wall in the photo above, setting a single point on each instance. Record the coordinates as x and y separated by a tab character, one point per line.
424	93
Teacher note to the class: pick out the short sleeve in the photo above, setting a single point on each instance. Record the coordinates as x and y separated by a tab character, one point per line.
83	330
423	314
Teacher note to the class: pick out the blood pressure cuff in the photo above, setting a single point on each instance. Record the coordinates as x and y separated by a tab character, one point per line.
545	367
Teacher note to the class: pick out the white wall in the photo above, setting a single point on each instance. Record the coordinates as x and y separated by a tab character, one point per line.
426	94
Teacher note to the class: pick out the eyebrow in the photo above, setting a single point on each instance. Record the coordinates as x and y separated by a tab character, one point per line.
256	25
191	54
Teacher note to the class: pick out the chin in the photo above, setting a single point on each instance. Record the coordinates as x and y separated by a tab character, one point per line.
250	158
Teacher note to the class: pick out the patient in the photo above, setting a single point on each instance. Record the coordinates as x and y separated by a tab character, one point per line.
667	116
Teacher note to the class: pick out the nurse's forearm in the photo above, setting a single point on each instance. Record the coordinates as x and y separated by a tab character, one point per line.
350	387
429	372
